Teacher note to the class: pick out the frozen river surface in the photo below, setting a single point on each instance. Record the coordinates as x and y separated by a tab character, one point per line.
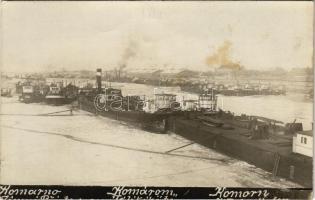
84	149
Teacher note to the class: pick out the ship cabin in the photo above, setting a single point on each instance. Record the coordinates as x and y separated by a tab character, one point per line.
55	93
27	89
53	90
161	101
303	143
207	102
164	101
27	93
189	105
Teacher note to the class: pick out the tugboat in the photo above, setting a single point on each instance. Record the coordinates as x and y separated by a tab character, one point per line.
31	93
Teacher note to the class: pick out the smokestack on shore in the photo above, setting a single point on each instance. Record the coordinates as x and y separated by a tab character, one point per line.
99	80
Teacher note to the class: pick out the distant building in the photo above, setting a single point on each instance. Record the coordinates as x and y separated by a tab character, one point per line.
303	143
187	74
301	74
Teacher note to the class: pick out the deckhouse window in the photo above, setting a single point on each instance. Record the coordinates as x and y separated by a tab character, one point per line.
304	140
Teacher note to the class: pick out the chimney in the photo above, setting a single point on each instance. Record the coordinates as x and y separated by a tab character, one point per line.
99	80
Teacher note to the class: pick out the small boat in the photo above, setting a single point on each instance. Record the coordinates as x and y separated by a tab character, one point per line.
6	92
58	95
30	94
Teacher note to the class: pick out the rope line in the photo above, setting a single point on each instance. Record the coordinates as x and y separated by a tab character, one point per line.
116	146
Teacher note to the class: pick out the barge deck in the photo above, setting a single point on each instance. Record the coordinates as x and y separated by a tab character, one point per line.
273	154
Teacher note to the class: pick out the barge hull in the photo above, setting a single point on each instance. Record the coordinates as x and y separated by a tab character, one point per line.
290	166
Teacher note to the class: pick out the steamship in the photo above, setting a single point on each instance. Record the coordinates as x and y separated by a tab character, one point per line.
109	102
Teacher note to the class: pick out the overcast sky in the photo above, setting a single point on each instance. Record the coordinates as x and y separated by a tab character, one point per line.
85	35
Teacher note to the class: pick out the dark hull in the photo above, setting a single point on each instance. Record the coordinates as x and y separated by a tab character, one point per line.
149	121
6	95
58	101
31	98
236	143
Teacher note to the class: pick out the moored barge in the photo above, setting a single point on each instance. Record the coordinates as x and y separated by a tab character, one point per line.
264	144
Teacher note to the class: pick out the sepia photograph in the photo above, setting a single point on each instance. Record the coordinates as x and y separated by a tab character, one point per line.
138	94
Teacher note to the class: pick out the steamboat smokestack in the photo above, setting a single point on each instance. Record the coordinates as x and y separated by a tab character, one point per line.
99	80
